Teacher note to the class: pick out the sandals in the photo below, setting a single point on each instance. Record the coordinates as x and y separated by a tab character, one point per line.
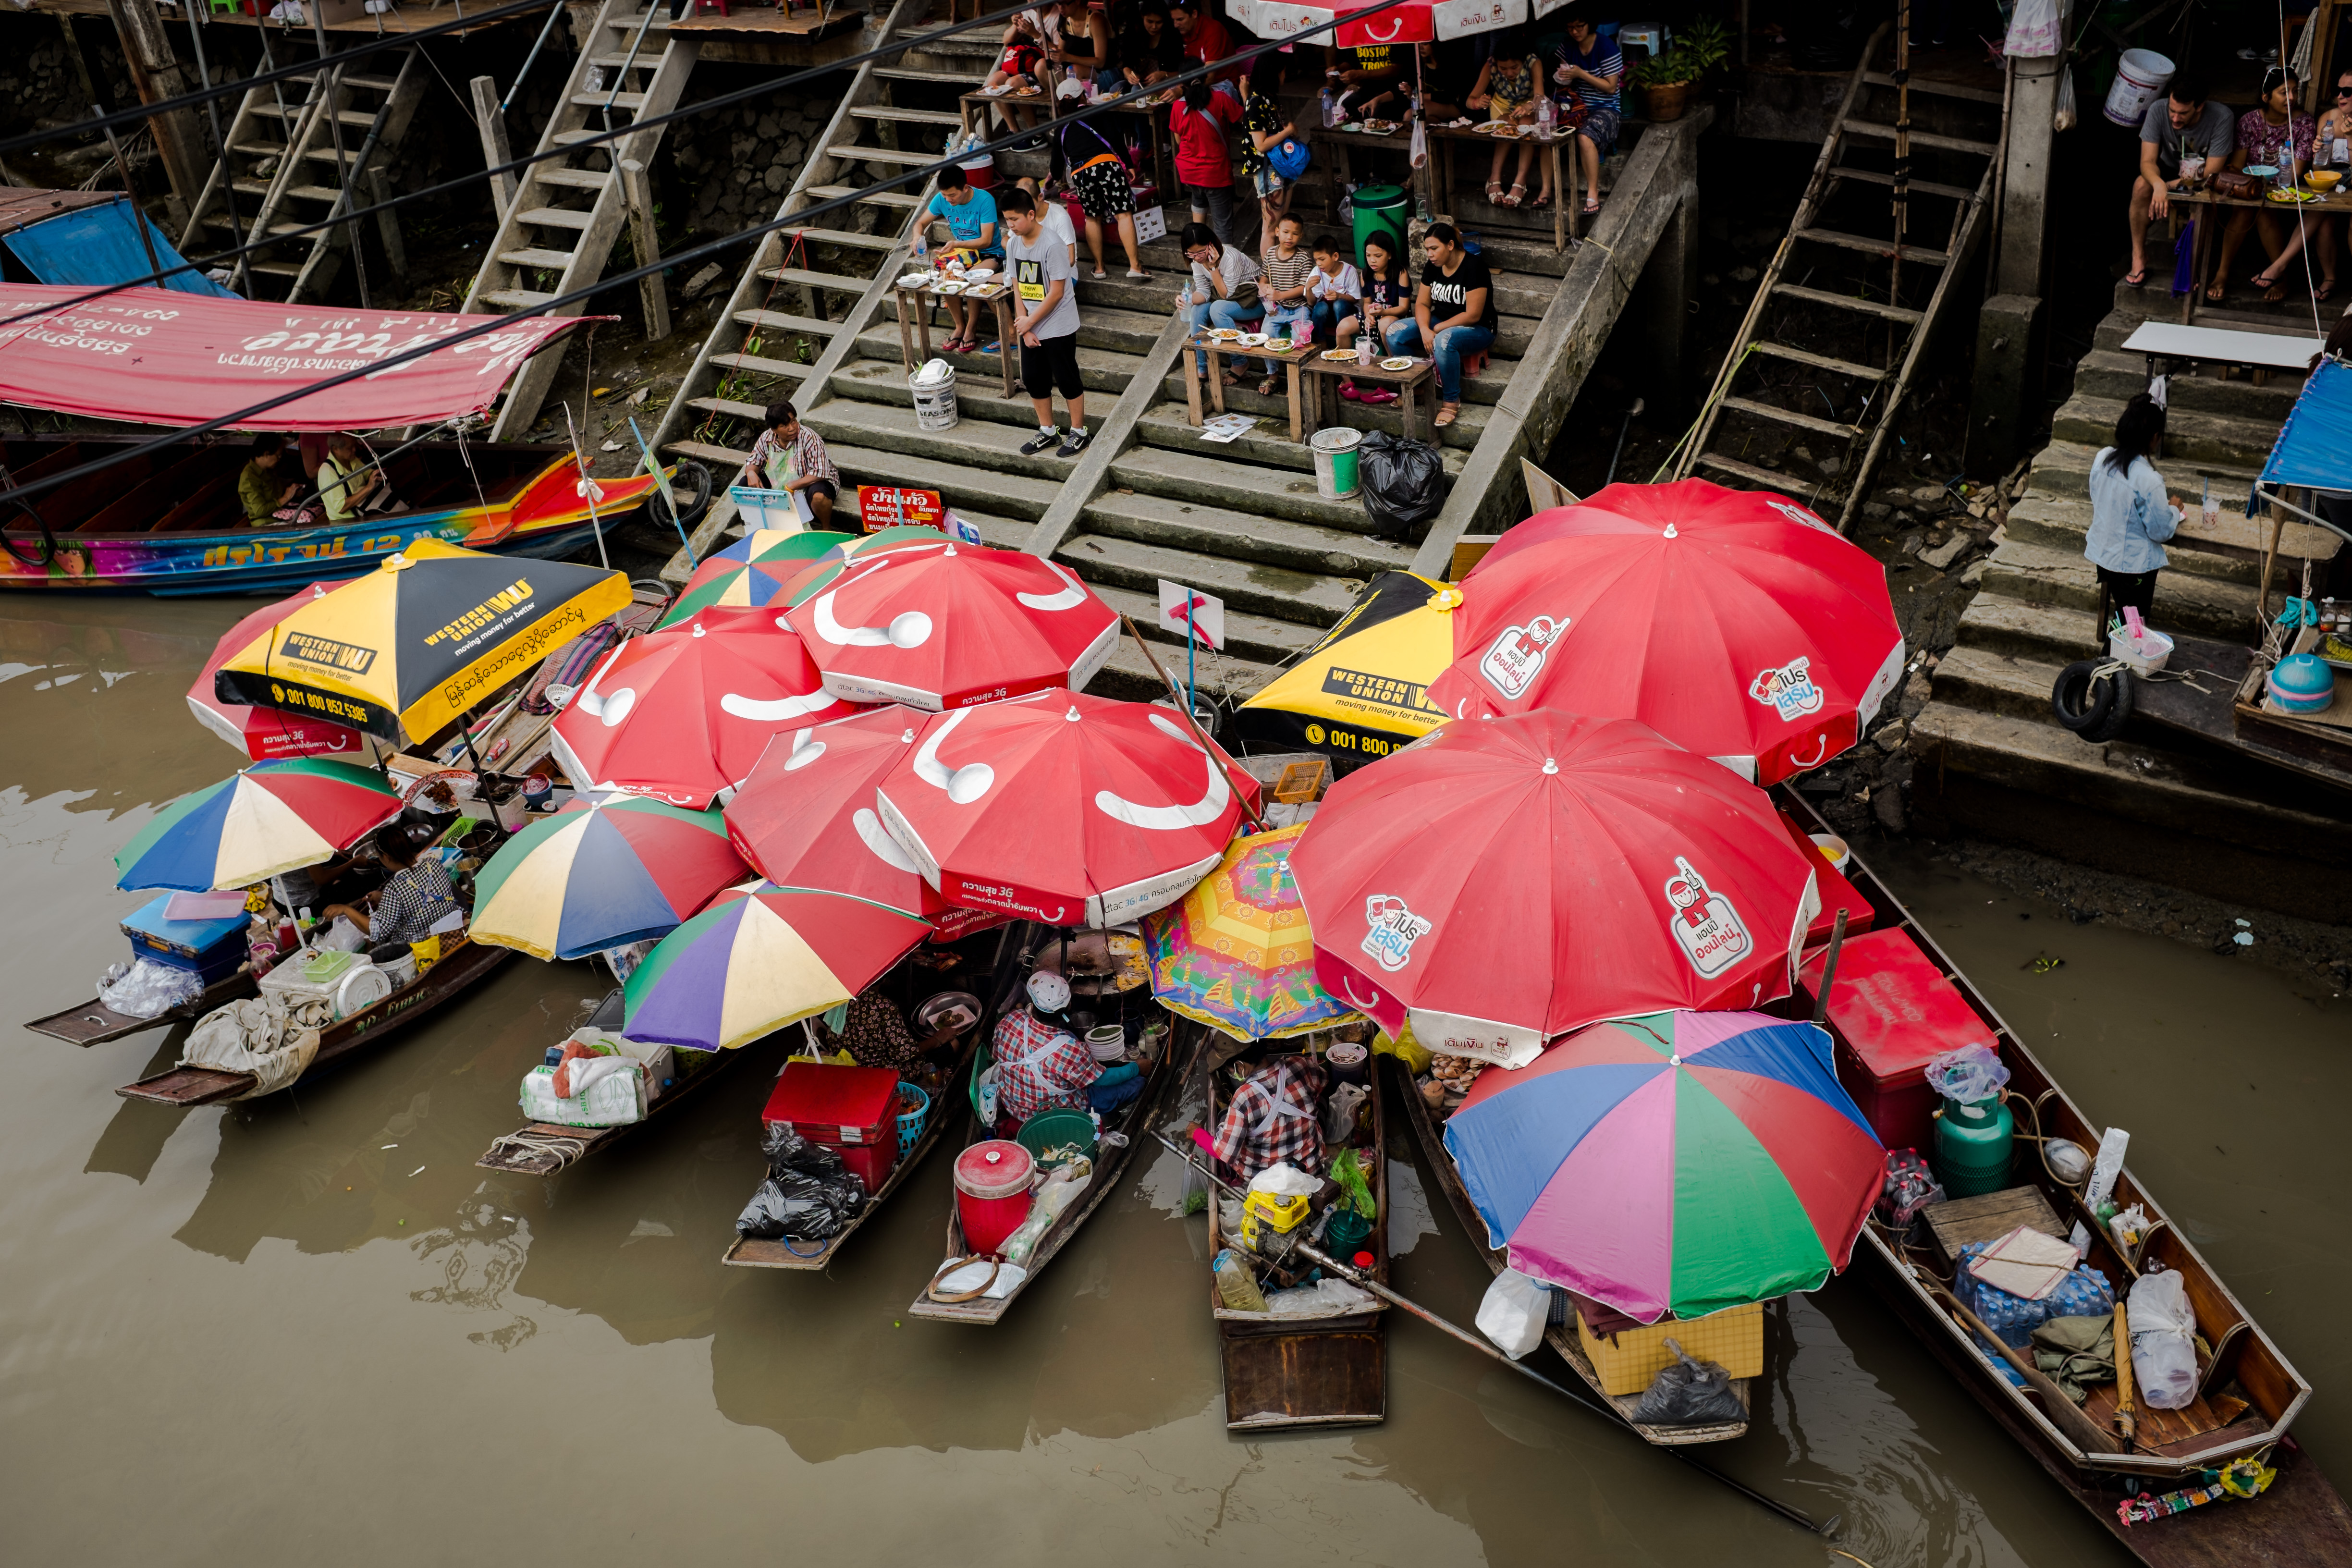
1378	396
1540	202
1098	275
1591	207
1268	387
1518	196
2216	292
1495	193
1138	276
1348	390
2320	295
2135	277
2272	289
1447	412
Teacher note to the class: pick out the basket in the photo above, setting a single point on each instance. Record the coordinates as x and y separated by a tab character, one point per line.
914	1109
2145	658
1055	1130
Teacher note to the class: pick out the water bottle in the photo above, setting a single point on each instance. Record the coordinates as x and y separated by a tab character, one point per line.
1544	118
1330	109
922	240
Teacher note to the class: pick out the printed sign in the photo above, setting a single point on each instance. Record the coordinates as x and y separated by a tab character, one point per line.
1151	223
1517	658
889	506
1788	691
1393	931
1178	604
1708	929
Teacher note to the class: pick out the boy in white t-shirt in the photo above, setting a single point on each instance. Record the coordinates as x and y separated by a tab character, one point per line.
1053	217
1333	290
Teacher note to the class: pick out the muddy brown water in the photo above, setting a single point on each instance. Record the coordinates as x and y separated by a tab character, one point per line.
309	1329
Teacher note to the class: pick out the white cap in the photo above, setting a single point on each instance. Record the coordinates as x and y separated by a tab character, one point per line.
1049	990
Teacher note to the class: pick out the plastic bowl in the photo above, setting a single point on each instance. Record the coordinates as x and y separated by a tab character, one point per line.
1056	1128
2323	179
1107	1044
2263	171
1834	847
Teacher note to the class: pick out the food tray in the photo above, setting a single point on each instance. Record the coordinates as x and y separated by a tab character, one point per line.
913	280
1340	356
1399	363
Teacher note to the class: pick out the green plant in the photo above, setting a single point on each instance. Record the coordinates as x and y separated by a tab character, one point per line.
1697	49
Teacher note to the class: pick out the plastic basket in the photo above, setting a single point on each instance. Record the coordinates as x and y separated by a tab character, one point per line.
1056	1128
914	1109
2148	657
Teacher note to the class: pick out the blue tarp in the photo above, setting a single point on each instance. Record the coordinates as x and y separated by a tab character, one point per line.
100	245
2315	444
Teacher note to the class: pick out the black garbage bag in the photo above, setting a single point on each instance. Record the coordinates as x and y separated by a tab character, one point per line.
1690	1392
1403	483
788	1150
801	1207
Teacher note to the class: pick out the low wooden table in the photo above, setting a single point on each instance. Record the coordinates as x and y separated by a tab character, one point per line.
1324	375
1220	349
2207	248
915	327
1563	175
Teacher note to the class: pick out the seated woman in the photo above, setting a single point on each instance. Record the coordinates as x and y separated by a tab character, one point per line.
348	484
1586	75
2276	135
259	488
414	898
1506	91
1019	69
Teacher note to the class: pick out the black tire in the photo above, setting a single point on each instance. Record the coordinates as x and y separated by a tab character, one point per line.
2093	709
698	482
48	547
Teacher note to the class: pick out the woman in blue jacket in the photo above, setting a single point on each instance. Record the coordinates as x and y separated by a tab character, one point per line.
2131	515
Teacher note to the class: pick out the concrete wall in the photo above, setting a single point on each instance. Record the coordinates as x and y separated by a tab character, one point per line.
729	169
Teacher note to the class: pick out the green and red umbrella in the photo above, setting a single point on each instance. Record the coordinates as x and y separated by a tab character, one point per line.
605	871
752	571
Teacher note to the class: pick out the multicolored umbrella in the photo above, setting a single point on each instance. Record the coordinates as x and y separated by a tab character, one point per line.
1504	880
1739	626
751	570
683	714
1363	690
816	575
1068	809
1677	1162
404	650
606	870
1236	951
752	965
265	733
805	817
274	817
953	626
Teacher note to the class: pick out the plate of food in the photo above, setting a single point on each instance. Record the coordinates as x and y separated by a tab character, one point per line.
1225	334
950	286
913	280
1397	363
1340	356
1252	340
1495	128
1380	127
983	290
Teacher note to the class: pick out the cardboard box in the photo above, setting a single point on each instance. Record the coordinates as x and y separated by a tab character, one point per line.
1630	1359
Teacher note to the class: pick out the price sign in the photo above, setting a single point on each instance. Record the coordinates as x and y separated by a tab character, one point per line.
889	506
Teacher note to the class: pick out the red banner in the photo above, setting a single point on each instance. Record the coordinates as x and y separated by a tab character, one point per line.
889	506
156	357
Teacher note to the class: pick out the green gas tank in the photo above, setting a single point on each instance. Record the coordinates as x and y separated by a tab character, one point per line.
1973	1143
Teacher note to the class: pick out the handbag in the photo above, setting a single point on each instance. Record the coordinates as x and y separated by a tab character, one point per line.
1289	158
2239	188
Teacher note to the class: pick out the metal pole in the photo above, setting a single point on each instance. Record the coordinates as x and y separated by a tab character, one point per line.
333	110
531	58
130	195
197	21
1829	970
587	487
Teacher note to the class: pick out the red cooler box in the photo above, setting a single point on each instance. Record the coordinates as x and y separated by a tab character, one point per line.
854	1111
1892	1012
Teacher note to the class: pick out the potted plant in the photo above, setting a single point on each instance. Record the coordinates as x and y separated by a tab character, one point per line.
1665	80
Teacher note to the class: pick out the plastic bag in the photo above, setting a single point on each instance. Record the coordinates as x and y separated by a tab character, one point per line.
1909	1186
2163	1341
788	1150
341	937
1967	1075
1514	1313
1405	1048
1062	1185
2128	1227
1236	1286
2067	115
1327	1297
796	1206
1339	1108
1690	1392
1284	1180
1403	483
146	989
2107	1166
1356	1190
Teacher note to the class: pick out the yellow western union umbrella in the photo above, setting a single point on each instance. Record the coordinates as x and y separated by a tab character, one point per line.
1363	690
402	652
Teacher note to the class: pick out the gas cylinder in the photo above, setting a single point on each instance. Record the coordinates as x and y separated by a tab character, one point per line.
1973	1143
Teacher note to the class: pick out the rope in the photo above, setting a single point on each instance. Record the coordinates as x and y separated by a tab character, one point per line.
541	1145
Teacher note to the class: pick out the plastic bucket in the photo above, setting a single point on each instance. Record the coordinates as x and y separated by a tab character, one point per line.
2140	76
935	397
2147	656
1379	208
992	1182
1056	1130
1335	463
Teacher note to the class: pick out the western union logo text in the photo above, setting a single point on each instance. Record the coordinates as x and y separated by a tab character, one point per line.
483	614
1385	691
338	656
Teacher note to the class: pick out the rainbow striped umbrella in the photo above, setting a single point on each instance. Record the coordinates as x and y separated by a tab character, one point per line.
1236	952
606	870
1679	1163
274	817
751	570
751	964
815	574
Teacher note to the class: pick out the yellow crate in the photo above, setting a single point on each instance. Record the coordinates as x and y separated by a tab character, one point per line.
1629	1359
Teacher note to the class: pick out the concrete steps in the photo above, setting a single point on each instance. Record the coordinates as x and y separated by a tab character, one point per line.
962	484
2232	439
2231	548
1240	536
978	395
2115	374
2209	605
1164	425
1304	598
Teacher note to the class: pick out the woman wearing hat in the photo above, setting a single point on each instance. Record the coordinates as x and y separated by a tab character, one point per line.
1041	1063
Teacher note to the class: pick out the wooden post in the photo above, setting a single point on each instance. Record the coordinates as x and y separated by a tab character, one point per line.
155	71
495	149
637	192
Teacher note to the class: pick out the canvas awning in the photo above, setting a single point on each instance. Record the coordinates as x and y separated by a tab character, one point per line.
153	356
2314	446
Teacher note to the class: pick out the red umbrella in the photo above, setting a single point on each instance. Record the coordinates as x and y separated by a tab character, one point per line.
683	714
263	734
1737	625
1069	809
805	817
1501	881
948	627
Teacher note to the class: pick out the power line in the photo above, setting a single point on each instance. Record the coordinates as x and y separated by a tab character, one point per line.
18	494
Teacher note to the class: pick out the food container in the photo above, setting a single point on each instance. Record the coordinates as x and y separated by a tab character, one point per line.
2303	683
210	949
992	1183
960	1008
1892	1012
2142	655
1349	1062
852	1110
1830	883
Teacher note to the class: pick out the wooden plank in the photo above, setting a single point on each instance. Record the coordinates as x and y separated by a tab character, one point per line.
1756	410
1848	302
93	1022
1819	361
1988	1217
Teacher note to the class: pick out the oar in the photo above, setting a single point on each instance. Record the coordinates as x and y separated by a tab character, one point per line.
2125	1417
2065	1414
1479	1343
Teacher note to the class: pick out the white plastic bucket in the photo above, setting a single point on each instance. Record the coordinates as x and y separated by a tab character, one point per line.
934	387
2145	658
2141	77
1335	463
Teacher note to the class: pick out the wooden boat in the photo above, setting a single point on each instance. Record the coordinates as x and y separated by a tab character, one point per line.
1121	1132
1307	1372
760	1252
168	523
1562	1338
2248	1394
543	1148
457	973
93	1022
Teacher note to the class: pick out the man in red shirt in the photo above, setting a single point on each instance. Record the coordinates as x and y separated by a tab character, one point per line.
1206	42
1204	164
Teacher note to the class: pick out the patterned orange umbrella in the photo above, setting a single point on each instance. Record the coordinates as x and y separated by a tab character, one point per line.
1236	952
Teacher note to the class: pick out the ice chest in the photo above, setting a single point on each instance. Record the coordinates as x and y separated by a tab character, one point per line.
1891	1012
212	949
853	1110
1630	1359
1836	892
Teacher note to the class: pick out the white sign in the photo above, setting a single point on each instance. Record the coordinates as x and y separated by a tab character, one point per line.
1207	614
1151	223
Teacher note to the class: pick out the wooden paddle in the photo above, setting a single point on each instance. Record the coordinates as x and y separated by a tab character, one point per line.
2124	1418
2065	1414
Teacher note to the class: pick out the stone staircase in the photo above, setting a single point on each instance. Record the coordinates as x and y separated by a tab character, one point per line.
1987	733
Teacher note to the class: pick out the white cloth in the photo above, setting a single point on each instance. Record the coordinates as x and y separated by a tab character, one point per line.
266	1036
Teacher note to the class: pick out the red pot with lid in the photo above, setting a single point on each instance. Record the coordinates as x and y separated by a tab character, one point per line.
991	1182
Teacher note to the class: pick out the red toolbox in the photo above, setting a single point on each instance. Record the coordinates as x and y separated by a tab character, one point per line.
854	1111
1836	892
1892	1012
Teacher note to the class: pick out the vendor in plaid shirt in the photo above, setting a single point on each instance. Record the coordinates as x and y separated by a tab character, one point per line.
789	455
1272	1118
1041	1064
414	899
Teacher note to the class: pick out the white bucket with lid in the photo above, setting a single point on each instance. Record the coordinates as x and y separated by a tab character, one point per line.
934	387
2141	76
